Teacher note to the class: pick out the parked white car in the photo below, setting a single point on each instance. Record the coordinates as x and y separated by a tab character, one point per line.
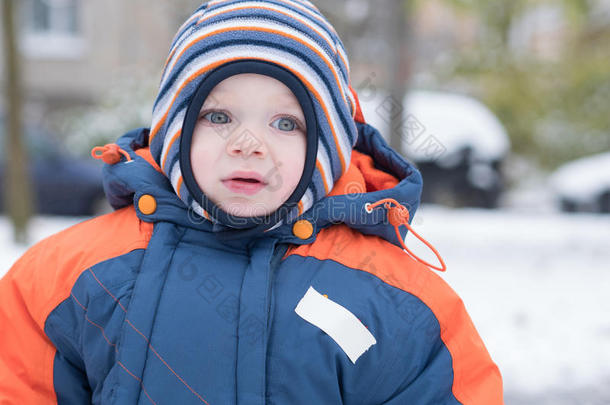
583	184
456	141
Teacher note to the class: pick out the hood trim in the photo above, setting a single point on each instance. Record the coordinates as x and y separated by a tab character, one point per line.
260	223
350	195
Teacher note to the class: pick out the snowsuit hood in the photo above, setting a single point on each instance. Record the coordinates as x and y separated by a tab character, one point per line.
287	40
376	172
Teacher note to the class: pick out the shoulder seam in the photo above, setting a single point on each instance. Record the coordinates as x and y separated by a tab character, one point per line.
130	248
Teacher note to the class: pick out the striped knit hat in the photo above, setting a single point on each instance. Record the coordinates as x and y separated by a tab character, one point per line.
289	40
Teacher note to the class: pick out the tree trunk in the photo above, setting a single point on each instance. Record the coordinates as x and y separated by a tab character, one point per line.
399	66
17	200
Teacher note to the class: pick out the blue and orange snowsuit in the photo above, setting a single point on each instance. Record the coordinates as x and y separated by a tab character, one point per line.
144	305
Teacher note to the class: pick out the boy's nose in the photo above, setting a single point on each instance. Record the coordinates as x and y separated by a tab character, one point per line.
245	144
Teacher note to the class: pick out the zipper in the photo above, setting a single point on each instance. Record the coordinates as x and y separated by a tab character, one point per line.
278	252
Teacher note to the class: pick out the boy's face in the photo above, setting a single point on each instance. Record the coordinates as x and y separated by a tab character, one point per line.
249	143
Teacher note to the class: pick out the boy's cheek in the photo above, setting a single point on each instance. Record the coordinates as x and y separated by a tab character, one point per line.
206	141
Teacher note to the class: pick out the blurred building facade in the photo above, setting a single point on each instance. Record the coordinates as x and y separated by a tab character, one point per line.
73	49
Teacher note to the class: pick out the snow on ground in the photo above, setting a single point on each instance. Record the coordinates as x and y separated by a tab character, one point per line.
534	282
536	286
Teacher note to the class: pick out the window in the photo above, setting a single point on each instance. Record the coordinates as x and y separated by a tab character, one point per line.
52	29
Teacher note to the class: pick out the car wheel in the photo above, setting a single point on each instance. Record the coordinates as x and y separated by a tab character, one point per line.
567	205
604	202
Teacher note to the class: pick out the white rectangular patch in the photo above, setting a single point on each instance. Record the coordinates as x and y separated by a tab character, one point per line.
338	322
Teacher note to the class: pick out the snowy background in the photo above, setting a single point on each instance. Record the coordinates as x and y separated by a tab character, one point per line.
534	281
536	286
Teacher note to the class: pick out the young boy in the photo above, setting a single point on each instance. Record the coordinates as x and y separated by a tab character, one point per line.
255	254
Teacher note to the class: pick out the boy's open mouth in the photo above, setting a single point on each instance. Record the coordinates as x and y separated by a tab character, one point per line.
244	182
245	177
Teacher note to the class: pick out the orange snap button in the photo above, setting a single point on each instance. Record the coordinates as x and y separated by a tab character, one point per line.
302	229
147	204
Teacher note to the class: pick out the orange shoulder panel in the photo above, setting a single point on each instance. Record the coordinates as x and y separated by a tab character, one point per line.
38	282
477	379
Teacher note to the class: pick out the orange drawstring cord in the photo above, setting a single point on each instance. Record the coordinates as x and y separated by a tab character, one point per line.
399	215
110	153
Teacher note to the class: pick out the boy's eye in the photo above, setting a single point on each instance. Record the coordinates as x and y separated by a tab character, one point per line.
217	117
285	124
